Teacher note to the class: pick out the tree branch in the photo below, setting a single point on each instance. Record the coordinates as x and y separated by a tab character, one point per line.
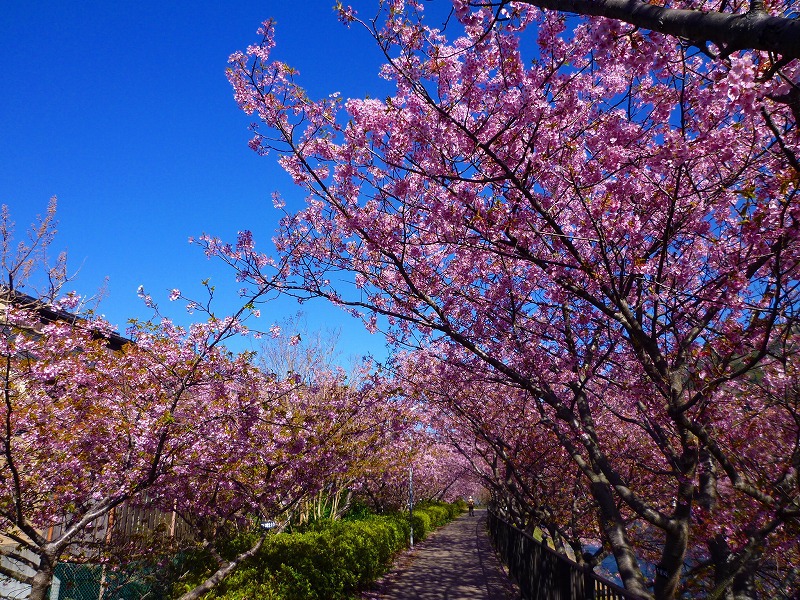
225	569
754	30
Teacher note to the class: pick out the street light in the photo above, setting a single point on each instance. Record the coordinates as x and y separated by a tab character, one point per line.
411	504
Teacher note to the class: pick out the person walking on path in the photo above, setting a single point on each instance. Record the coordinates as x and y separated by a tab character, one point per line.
456	562
471	506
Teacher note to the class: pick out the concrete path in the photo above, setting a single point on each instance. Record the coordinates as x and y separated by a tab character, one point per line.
457	562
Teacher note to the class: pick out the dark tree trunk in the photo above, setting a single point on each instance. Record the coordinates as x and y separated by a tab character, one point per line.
755	30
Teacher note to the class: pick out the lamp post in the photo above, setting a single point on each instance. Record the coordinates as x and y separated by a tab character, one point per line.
411	504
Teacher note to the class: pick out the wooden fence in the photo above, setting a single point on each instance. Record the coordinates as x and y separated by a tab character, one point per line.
123	522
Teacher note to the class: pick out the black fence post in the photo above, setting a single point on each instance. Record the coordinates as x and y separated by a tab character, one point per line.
588	584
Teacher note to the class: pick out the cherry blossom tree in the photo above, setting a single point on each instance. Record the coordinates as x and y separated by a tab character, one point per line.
608	226
164	418
503	440
411	456
89	426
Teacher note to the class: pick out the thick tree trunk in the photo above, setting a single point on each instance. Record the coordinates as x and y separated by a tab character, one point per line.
732	580
42	580
744	587
668	573
612	525
720	558
755	30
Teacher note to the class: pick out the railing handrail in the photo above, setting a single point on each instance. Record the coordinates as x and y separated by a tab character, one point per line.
585	571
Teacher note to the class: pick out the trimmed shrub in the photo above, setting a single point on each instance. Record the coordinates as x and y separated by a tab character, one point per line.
331	562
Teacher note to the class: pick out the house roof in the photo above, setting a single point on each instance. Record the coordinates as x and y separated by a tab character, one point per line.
51	314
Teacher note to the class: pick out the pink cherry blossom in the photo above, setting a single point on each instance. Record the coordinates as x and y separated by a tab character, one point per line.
592	247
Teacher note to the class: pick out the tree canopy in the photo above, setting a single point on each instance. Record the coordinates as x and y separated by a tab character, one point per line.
597	238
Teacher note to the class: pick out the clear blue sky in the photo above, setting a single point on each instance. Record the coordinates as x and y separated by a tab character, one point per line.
122	110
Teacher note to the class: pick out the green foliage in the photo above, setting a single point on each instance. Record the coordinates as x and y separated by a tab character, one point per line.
330	562
422	523
190	568
358	511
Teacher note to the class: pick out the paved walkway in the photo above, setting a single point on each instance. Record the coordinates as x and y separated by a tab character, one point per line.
457	562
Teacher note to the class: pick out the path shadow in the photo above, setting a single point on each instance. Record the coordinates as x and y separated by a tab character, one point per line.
456	562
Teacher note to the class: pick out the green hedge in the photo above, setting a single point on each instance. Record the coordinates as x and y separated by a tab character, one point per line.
331	563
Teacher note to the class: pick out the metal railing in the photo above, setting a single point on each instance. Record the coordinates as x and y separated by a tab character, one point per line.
543	574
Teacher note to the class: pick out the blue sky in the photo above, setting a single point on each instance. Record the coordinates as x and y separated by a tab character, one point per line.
122	110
